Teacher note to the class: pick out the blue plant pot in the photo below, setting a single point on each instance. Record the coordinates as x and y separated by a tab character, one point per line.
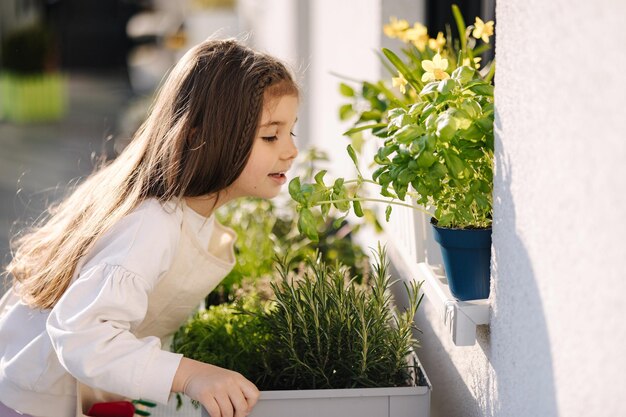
466	258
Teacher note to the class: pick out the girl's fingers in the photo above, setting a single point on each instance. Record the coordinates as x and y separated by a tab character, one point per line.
239	402
226	407
251	392
212	407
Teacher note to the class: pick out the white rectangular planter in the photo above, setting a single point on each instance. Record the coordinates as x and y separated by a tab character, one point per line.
354	402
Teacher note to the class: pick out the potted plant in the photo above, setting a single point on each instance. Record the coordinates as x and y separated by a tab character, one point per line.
322	345
436	147
31	87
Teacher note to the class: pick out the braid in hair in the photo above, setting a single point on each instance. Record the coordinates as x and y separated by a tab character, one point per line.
250	125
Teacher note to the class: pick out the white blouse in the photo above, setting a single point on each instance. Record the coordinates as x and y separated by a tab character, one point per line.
88	335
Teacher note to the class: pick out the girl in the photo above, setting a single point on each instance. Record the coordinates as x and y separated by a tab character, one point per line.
132	251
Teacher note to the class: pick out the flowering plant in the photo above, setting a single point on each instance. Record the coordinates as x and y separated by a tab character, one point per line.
437	134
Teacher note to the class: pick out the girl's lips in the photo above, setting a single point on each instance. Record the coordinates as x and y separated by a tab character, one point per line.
279	177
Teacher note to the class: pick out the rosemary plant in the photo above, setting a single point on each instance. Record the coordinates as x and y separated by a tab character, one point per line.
321	330
328	332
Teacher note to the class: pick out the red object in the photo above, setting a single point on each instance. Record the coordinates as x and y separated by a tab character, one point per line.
112	409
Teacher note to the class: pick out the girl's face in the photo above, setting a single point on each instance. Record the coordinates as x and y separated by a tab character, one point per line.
273	151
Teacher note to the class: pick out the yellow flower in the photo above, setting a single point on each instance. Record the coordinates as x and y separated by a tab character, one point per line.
437	44
483	30
435	69
418	35
395	28
466	62
399	82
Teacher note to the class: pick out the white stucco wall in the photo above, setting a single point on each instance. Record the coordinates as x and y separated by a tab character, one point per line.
560	208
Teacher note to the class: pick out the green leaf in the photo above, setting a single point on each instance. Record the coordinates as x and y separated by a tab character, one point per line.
408	133
402	68
454	164
346	90
460	25
463	74
417	108
445	86
338	185
319	177
485	124
370	115
294	190
346	112
400	189
471	107
428	111
352	154
358	210
429	88
425	159
387	213
395	112
472	133
364	127
446	127
463	120
482	89
378	171
405	177
307	225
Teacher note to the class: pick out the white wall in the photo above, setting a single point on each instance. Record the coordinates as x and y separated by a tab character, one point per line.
559	228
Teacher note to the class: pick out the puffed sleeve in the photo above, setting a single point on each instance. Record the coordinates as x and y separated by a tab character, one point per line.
91	325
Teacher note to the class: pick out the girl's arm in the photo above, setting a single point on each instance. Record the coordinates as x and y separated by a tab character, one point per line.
90	328
222	392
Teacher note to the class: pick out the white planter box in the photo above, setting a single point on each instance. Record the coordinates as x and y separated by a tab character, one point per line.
355	402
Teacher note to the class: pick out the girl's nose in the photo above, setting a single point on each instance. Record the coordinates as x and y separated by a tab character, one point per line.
291	150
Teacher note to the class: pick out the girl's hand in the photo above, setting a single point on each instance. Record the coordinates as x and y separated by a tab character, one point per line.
222	392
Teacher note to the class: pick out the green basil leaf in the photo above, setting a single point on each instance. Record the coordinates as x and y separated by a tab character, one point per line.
446	127
346	90
446	86
378	171
482	89
408	133
358	210
364	127
294	190
425	159
352	154
307	225
319	177
454	164
346	112
417	108
463	74
429	88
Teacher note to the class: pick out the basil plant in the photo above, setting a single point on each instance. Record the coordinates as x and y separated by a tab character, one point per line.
435	149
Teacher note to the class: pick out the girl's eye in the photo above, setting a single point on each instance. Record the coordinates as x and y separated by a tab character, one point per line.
270	138
293	135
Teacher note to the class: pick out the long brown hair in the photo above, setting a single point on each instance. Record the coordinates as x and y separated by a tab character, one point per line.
196	141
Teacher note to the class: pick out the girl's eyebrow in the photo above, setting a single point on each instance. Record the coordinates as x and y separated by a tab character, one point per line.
276	123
